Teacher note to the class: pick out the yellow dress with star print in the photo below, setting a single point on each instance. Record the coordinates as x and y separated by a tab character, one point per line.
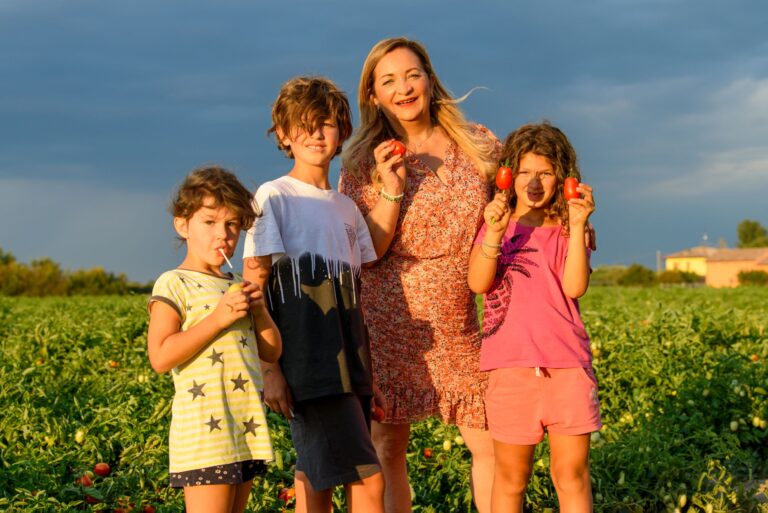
217	415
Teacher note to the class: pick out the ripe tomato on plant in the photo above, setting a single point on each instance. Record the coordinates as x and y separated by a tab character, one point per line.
398	148
427	452
101	469
569	188
286	494
85	480
504	177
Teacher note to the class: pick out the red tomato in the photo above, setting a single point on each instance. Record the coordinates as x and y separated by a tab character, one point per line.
398	148
149	508
91	500
378	413
101	469
427	452
504	178
86	480
286	494
569	188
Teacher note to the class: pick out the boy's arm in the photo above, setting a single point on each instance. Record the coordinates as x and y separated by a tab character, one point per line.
277	394
168	347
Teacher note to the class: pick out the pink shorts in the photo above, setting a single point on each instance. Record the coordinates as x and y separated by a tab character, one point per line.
522	404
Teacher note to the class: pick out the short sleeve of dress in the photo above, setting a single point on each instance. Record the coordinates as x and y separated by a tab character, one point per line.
264	238
169	289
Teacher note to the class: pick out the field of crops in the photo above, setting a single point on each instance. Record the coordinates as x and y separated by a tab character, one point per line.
682	372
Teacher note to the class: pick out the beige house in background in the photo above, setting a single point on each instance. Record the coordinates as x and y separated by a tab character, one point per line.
719	266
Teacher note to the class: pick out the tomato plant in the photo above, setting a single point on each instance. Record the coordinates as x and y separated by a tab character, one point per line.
683	386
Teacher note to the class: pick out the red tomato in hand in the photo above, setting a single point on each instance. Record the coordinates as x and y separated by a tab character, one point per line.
569	188
504	178
398	148
101	469
377	413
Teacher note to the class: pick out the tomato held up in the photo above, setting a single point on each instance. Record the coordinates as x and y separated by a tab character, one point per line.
569	189
504	178
398	148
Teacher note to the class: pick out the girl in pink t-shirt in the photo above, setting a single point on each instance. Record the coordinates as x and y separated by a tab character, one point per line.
531	262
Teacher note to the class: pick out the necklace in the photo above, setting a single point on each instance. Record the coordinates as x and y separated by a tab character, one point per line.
417	146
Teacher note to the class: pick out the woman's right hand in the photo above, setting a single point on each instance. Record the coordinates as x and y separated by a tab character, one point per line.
277	394
390	167
497	213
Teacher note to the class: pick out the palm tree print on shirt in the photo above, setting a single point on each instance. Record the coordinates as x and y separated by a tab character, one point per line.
512	260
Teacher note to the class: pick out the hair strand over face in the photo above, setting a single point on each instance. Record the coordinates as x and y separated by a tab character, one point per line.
304	104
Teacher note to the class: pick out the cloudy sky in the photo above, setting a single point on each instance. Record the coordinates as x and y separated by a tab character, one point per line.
105	106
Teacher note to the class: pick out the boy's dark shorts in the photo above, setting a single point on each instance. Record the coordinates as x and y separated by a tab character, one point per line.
332	437
232	473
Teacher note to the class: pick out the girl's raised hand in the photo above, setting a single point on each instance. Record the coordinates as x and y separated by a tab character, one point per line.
497	213
579	209
233	305
390	167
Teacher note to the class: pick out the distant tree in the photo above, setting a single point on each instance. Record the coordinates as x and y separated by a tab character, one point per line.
6	258
607	275
45	279
95	282
679	277
13	276
753	278
752	234
638	275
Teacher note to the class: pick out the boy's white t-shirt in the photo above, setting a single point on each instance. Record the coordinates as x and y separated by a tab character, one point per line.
318	240
300	218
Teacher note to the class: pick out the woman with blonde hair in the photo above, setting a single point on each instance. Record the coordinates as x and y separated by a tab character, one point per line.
420	174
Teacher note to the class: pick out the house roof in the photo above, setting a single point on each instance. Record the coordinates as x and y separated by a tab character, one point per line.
697	251
740	254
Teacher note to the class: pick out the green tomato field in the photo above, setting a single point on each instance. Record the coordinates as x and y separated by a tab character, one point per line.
683	390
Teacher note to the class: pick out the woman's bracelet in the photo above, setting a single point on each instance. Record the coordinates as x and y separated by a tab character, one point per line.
394	199
486	255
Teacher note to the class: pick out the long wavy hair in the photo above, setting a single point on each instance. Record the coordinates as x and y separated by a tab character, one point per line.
444	111
551	143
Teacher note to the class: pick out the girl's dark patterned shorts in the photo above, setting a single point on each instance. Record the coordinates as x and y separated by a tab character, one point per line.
232	473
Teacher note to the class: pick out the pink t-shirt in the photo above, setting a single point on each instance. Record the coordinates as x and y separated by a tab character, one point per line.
528	321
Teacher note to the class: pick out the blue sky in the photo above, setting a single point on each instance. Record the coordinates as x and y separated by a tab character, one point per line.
105	106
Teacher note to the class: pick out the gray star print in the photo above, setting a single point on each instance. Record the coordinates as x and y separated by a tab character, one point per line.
196	390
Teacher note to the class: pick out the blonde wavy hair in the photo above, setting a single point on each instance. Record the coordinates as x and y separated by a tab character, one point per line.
444	111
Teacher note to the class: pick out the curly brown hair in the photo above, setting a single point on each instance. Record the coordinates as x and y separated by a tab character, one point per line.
549	142
219	184
305	103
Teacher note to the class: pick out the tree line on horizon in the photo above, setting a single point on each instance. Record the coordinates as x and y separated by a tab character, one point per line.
44	277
